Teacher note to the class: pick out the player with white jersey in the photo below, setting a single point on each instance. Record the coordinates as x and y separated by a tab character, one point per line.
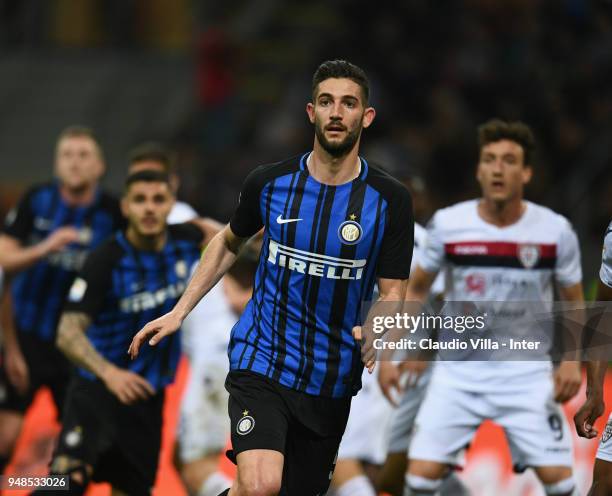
204	426
498	248
594	406
365	439
409	381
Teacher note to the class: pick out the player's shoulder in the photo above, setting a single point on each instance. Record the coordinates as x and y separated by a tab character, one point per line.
186	231
383	182
107	254
420	235
108	201
466	210
181	212
39	189
547	217
263	174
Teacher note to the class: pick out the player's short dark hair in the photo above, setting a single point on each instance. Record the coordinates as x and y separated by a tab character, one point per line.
517	131
78	131
341	69
151	151
148	176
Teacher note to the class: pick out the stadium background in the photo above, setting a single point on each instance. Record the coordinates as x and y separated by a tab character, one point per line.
224	84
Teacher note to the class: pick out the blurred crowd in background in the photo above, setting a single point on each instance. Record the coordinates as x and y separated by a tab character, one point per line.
224	85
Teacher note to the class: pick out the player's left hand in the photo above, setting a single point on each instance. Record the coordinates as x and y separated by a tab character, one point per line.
155	330
585	418
365	337
568	378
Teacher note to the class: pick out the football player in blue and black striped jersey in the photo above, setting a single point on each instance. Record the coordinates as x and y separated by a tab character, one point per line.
334	224
43	244
111	425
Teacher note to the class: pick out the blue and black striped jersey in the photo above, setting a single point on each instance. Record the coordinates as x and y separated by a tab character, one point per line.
122	288
323	248
39	291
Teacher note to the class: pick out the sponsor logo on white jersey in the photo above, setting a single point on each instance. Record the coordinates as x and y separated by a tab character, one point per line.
314	264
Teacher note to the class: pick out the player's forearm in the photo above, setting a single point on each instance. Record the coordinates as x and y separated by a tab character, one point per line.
73	342
216	260
9	335
17	259
596	372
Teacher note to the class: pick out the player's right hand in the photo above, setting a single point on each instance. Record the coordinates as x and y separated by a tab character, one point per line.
155	330
17	369
127	386
585	418
59	238
389	381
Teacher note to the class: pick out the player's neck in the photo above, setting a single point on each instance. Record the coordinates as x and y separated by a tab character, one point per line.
331	170
501	214
145	243
78	196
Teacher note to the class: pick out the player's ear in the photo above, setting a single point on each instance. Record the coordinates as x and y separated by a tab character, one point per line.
124	205
527	174
368	116
310	112
478	173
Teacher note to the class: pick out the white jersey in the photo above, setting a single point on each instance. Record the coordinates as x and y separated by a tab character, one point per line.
483	262
605	273
181	212
206	330
420	240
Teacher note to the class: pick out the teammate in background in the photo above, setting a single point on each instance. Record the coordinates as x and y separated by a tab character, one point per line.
594	406
153	156
44	242
522	249
204	426
111	426
333	223
368	432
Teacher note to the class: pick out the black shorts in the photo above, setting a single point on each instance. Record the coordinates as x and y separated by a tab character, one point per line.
47	366
121	442
307	429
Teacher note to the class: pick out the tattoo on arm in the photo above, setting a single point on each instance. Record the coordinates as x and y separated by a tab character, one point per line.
73	342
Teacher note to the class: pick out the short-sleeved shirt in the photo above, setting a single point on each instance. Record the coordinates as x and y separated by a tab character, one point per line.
122	288
323	248
605	272
39	291
517	263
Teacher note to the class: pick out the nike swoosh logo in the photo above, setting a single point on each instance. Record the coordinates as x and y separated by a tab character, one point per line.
280	220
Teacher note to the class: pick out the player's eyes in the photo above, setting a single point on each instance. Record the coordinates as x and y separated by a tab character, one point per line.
324	103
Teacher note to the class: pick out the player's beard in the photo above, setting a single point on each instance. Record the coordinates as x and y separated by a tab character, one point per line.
339	148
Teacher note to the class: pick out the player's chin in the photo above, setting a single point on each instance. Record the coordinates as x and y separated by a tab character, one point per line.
150	228
498	195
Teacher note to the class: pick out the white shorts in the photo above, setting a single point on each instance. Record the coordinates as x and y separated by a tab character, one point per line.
365	436
204	424
402	418
535	426
604	451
